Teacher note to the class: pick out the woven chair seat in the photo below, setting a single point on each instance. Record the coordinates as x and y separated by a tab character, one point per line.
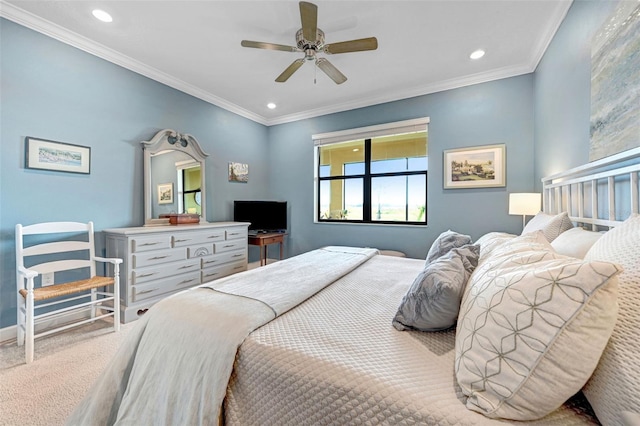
58	290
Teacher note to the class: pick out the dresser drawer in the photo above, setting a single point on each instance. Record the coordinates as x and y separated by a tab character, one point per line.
229	246
220	259
167	285
156	242
151	273
214	273
143	259
193	238
199	251
237	233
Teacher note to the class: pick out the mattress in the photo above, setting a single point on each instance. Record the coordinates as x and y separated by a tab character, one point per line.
337	360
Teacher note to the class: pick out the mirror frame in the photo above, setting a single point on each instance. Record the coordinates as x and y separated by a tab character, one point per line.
170	140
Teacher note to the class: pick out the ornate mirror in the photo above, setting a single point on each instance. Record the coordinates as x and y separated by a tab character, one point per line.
174	177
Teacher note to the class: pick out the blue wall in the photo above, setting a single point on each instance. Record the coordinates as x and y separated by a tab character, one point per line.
563	91
499	112
53	91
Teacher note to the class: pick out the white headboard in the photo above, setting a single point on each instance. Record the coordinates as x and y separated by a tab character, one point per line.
602	193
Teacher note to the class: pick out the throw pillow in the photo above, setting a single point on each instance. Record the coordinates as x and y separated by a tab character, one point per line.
531	328
551	226
433	300
575	242
615	385
445	242
490	241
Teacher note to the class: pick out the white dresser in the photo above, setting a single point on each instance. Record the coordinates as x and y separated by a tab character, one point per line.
159	261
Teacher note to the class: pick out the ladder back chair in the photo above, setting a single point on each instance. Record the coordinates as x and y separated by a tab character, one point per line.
56	275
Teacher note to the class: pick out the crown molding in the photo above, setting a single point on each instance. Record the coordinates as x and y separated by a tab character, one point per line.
31	21
441	86
59	33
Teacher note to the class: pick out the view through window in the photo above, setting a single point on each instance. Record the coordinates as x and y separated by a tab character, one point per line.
381	179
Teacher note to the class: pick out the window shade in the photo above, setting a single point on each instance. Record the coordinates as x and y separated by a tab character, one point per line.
388	129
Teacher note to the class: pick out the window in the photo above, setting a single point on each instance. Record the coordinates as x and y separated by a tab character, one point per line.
378	178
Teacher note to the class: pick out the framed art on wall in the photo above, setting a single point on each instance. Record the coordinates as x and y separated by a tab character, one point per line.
165	193
475	167
238	172
57	156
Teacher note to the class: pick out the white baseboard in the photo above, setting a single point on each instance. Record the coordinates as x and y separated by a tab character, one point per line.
11	332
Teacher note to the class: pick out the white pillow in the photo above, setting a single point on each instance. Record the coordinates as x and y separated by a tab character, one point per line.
551	226
575	242
531	328
615	385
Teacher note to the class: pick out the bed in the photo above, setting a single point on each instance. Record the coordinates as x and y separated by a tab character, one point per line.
327	353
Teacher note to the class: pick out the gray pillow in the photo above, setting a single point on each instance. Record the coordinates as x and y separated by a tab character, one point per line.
433	300
444	243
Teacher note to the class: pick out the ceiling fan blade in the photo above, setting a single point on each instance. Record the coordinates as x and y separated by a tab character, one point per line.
268	46
309	18
290	70
331	71
359	45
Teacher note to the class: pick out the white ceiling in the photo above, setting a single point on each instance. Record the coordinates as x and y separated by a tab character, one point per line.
194	46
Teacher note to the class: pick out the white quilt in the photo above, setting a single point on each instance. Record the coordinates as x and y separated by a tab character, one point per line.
175	365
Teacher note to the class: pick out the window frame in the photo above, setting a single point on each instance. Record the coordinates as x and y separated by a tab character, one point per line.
367	134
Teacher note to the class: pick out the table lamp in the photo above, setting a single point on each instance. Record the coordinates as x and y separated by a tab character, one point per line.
526	204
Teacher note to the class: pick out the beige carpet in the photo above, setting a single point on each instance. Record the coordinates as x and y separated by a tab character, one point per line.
65	365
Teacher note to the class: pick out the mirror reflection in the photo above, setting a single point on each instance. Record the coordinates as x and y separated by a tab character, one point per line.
177	176
174	178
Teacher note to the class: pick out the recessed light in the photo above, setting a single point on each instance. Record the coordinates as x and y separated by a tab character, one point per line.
102	15
356	149
477	54
271	105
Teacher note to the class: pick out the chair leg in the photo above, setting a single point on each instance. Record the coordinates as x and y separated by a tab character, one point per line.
29	328
94	307
20	324
116	301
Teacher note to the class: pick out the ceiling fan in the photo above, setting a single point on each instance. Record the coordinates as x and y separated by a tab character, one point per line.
310	40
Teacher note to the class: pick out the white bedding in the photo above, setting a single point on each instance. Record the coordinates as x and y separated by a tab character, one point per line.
336	359
174	367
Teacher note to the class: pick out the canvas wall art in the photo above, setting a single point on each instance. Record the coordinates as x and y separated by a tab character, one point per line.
238	172
615	83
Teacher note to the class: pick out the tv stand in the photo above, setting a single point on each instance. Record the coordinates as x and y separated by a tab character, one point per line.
263	239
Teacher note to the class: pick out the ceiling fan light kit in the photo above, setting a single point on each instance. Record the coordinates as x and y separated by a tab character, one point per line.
310	41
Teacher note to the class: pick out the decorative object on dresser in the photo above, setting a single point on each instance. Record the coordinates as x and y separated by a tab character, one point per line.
475	167
174	164
60	272
160	261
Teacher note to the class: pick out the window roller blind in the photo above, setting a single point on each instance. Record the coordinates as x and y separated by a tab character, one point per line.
387	129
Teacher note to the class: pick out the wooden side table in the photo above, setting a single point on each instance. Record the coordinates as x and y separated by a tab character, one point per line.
263	240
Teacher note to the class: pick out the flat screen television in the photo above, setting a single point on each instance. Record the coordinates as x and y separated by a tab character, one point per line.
265	216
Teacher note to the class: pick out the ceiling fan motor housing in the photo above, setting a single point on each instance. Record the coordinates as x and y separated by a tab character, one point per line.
310	48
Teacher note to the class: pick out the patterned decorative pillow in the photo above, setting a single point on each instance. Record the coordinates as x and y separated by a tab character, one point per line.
490	241
531	328
433	300
615	385
551	226
445	242
575	242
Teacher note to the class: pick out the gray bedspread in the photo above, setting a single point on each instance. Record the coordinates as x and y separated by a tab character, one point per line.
337	360
174	367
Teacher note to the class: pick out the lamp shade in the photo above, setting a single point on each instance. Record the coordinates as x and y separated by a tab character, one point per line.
526	204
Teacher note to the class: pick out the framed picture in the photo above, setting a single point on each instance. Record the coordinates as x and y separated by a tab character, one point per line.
475	167
57	156
165	193
238	172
